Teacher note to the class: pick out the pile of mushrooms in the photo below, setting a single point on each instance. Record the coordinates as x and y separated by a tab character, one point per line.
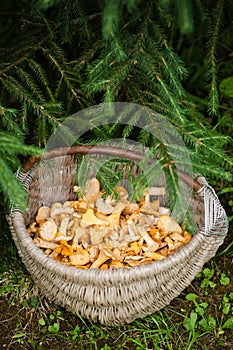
98	232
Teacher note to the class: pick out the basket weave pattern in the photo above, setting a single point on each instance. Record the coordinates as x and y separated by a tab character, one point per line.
112	296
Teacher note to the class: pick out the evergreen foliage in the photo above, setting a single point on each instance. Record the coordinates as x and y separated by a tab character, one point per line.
58	57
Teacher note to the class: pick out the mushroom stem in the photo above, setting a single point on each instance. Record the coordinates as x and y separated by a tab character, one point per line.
151	244
132	229
102	257
63	225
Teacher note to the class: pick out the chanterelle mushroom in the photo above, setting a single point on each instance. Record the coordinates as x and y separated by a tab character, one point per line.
64	249
122	193
154	255
105	206
92	191
97	234
63	225
45	244
149	207
167	224
90	219
48	230
58	209
80	258
133	232
93	232
151	244
102	257
114	218
42	214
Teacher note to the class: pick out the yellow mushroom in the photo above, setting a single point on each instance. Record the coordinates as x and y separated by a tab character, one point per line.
154	255
116	264
42	214
135	248
104	266
105	206
151	244
97	234
114	218
64	248
48	230
167	224
90	219
187	237
92	191
80	258
58	209
33	228
41	243
177	237
122	193
149	207
102	258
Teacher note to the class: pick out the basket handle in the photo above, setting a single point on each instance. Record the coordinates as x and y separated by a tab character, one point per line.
106	150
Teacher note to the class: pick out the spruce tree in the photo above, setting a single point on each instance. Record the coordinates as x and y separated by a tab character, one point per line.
58	57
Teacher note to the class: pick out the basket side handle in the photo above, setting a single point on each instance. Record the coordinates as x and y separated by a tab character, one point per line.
107	150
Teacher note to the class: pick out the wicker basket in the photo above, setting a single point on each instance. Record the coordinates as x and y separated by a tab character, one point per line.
112	296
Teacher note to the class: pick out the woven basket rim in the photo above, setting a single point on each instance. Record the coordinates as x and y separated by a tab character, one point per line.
130	154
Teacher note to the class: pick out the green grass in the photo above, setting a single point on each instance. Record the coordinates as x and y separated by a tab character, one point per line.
200	318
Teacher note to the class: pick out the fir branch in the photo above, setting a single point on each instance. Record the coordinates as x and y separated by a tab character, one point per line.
10	187
10	147
213	35
42	77
132	5
45	4
57	59
173	59
82	19
155	102
19	91
85	58
185	16
24	117
42	132
27	78
166	68
112	15
66	24
202	11
8	120
71	14
20	57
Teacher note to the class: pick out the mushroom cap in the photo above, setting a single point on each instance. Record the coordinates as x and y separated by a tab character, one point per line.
154	255
48	230
41	243
104	206
80	259
167	224
59	209
64	248
122	192
97	234
92	190
89	219
42	214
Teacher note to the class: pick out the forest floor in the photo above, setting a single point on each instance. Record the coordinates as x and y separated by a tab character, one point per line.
200	318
